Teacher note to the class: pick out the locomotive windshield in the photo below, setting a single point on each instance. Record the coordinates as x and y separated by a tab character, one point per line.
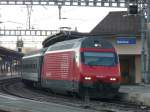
99	58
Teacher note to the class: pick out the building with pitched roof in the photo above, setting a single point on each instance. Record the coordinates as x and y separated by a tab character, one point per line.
123	31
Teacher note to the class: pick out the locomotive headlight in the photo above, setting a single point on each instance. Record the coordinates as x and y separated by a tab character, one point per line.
113	79
87	78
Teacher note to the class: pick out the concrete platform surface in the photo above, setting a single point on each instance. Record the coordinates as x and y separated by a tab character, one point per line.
13	104
8	76
139	94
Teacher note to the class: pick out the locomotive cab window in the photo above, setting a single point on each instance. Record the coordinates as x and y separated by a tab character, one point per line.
99	58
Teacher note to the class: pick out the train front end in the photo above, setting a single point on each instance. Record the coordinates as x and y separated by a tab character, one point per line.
99	68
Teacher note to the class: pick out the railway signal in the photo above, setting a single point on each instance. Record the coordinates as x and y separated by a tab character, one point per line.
133	9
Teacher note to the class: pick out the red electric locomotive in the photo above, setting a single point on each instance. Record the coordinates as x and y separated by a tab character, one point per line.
75	65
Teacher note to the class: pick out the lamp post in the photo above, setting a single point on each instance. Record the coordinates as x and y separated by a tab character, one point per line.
147	75
143	46
59	8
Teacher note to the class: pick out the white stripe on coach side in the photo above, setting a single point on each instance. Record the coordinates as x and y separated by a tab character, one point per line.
30	56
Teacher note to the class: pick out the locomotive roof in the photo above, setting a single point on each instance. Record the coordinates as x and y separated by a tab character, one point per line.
71	41
84	42
62	36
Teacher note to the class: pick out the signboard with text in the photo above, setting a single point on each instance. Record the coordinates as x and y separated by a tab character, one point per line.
126	40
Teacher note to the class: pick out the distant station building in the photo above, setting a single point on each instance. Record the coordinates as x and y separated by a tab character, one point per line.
123	31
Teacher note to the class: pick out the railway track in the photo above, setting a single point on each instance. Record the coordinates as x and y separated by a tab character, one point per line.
16	88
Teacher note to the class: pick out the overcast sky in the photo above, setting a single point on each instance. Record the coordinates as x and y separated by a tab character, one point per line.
47	17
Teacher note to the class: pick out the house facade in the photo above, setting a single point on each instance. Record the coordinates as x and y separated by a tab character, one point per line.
123	31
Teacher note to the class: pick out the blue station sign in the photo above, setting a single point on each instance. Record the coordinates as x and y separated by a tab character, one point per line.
126	40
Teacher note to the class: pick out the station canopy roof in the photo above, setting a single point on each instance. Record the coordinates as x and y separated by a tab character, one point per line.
4	52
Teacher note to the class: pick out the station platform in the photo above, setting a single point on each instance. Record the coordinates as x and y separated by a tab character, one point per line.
8	76
10	103
139	94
